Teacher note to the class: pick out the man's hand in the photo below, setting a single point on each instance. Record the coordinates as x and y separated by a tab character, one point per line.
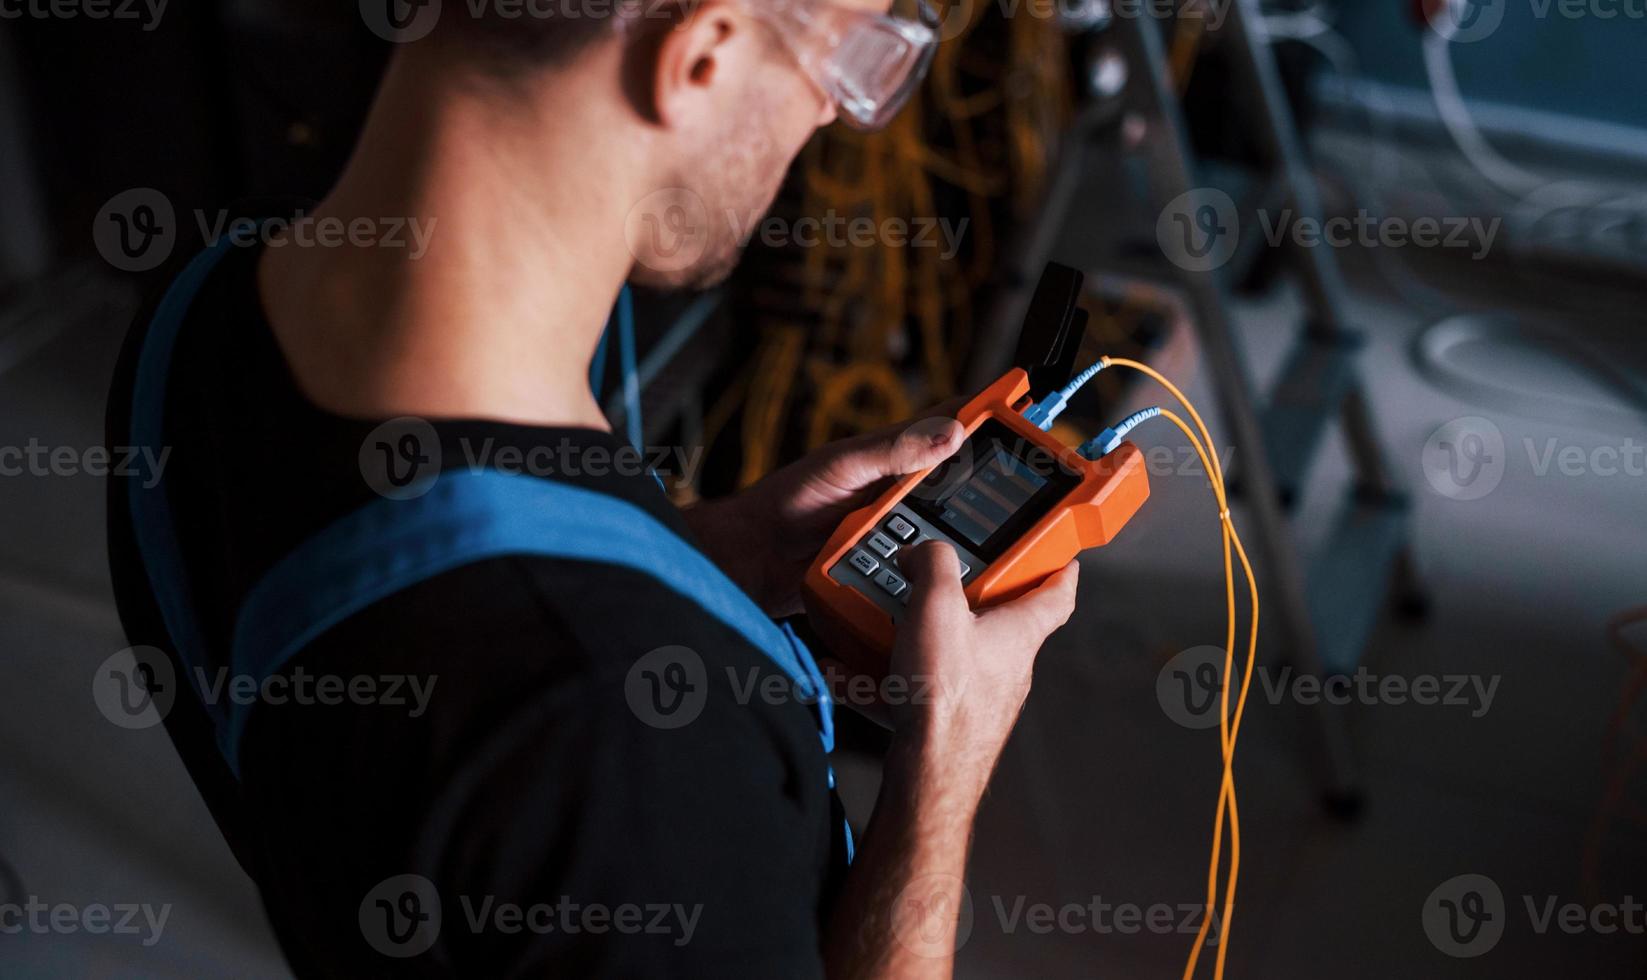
897	916
765	537
973	667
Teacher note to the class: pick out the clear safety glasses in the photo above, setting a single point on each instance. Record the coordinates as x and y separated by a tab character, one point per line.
868	63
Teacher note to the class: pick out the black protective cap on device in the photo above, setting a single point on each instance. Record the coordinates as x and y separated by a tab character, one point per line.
1051	335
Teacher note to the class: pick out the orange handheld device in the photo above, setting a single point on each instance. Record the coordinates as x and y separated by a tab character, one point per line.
1015	503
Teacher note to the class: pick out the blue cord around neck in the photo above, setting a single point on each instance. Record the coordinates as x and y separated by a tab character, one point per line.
631	376
625	315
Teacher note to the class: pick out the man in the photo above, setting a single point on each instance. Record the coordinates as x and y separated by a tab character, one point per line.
527	819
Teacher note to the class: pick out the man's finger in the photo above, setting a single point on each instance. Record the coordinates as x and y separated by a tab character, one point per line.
866	460
934	574
1044	608
944	411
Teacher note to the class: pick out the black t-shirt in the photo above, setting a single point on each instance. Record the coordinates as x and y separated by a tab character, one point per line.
522	793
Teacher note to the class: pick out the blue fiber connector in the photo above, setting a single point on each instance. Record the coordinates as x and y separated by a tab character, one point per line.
1043	413
1104	443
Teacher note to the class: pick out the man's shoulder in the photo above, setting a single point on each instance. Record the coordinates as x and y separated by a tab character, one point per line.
576	623
518	652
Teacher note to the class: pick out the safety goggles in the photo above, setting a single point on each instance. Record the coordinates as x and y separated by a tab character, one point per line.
868	63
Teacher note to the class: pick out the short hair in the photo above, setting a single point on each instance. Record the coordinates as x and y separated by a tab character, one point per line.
507	37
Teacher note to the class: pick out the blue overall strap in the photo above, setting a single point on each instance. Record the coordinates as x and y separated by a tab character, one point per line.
152	524
467	516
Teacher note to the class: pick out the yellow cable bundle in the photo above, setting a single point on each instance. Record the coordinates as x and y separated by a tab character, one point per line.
866	301
776	365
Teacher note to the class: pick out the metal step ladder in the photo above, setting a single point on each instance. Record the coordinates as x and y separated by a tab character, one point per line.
1330	604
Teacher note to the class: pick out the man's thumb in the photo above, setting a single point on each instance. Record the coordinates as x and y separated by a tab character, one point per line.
934	574
922	444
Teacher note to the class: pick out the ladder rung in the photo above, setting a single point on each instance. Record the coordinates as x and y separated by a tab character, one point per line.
1249	269
1306	399
1350	578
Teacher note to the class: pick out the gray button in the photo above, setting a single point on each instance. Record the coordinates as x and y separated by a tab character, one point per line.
900	528
863	561
882	545
964	567
891	581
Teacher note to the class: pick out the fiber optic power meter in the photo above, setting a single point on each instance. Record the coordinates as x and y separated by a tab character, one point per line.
1015	503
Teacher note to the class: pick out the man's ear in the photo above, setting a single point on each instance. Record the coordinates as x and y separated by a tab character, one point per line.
706	41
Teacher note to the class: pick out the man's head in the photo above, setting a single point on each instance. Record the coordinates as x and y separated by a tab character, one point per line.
722	94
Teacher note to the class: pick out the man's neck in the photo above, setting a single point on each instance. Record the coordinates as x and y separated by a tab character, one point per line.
500	314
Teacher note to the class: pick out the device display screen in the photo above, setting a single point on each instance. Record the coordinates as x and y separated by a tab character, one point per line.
993	489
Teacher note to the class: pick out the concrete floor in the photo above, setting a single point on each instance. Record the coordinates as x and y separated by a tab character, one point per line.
1101	798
